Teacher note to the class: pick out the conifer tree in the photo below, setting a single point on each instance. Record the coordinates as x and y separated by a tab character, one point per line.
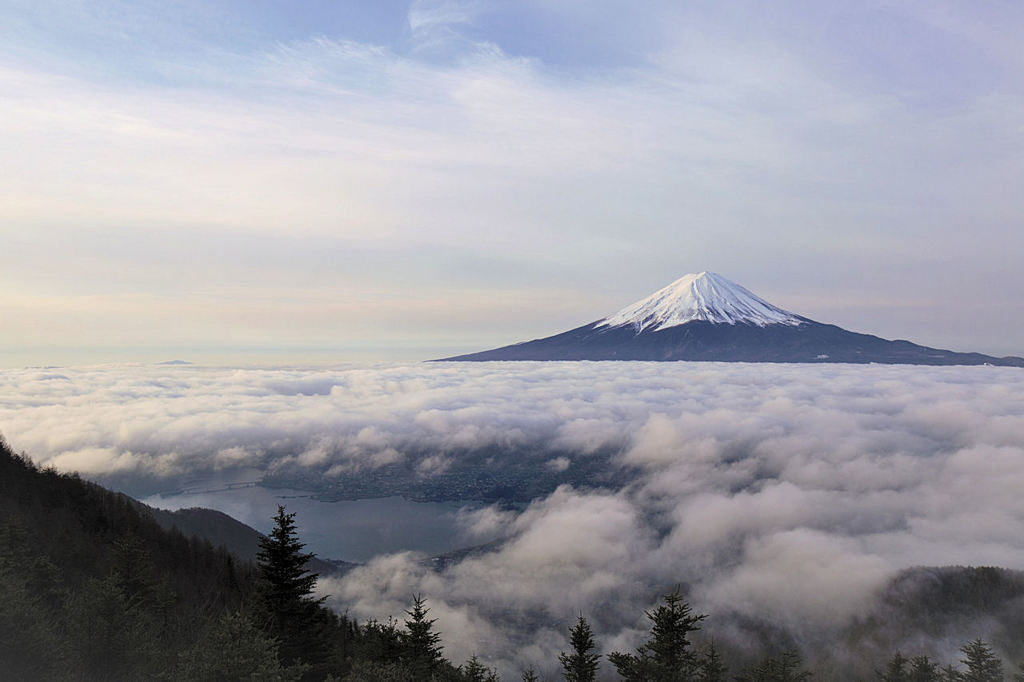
666	656
949	674
785	668
379	642
233	648
581	664
111	636
293	616
282	564
923	669
31	645
475	671
712	668
421	643
896	669
982	664
530	675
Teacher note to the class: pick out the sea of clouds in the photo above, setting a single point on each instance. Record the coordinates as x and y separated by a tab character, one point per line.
786	493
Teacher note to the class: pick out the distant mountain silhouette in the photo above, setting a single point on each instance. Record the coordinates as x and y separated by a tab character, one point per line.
707	317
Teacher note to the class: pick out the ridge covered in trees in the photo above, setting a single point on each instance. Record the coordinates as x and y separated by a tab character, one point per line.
93	588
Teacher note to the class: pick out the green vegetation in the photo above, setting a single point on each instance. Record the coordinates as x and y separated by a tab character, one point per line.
979	661
667	656
581	664
94	589
422	644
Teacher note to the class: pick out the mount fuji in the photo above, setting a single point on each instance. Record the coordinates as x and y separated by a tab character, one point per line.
707	317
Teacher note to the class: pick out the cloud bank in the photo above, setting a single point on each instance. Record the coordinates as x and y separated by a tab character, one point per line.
784	494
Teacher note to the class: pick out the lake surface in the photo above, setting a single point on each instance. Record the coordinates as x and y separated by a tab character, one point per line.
353	530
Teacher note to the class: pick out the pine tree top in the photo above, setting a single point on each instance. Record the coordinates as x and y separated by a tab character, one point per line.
581	664
282	563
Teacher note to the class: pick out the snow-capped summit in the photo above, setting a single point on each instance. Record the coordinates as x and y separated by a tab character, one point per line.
707	317
705	296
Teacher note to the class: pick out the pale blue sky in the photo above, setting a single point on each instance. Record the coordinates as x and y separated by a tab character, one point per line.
407	179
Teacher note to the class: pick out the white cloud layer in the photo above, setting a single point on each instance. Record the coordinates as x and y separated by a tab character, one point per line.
786	491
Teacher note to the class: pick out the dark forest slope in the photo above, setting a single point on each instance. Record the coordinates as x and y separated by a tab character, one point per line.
91	583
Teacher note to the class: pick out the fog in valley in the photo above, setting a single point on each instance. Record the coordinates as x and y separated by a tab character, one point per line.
782	496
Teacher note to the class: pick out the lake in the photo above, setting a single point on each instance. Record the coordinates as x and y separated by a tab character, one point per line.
353	530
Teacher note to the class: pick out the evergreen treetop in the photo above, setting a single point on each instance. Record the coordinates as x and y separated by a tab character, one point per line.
923	669
666	655
282	564
784	668
581	664
475	671
298	621
982	664
712	667
895	669
422	644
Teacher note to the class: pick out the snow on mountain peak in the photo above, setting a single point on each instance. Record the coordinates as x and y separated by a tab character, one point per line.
704	296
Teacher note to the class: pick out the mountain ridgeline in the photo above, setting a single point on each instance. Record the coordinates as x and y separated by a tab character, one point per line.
706	317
